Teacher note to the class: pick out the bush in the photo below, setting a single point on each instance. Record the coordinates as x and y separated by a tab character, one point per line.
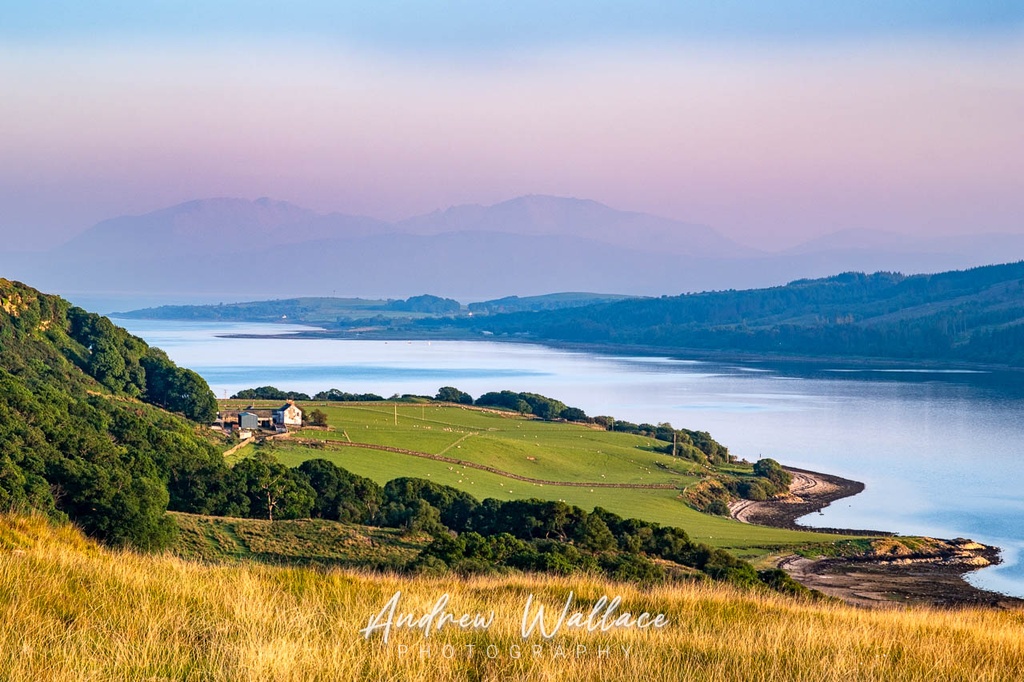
779	580
770	469
754	490
316	418
717	507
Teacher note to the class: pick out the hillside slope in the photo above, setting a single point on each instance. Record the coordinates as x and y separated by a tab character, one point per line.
972	315
86	424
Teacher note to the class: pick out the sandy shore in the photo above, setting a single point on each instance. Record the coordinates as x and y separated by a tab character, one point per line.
888	575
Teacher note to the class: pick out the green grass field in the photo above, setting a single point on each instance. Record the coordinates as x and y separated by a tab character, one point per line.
555	452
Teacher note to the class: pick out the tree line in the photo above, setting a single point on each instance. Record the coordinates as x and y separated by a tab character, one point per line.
472	536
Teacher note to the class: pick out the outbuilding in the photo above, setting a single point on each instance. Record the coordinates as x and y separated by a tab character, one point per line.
248	420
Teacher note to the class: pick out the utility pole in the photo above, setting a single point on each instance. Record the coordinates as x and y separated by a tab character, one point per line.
396	414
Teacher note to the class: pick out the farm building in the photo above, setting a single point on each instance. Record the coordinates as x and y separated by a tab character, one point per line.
248	420
288	414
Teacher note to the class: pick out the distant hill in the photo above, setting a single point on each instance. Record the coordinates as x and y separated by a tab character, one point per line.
538	215
974	315
213	226
560	301
331	312
236	249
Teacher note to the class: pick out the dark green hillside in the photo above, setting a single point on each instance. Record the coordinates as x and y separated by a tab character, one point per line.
82	432
972	315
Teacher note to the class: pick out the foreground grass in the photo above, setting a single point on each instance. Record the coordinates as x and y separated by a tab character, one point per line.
295	542
72	611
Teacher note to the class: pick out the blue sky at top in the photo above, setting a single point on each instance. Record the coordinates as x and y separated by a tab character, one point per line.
458	25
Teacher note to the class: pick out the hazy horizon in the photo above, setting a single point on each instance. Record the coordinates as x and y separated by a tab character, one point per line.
772	125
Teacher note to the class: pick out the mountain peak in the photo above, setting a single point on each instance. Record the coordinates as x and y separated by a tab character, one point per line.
217	224
541	214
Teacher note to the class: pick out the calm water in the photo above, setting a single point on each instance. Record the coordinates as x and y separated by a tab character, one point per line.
942	453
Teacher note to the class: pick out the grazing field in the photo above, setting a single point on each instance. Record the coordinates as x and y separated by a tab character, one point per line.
543	451
70	609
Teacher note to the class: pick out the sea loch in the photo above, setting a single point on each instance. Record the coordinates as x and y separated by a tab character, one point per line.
941	452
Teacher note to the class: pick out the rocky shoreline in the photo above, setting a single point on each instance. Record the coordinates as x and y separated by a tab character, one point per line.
890	571
809	492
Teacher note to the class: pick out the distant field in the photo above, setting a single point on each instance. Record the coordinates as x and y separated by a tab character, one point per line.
531	448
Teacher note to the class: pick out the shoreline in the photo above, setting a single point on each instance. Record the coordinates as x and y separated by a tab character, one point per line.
810	491
892	571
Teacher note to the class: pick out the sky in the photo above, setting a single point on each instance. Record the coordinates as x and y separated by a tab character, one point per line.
773	122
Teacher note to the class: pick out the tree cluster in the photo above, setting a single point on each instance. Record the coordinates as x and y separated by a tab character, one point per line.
426	304
79	438
126	365
269	393
713	495
532	403
331	395
471	536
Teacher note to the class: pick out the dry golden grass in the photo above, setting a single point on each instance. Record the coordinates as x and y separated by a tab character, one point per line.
72	611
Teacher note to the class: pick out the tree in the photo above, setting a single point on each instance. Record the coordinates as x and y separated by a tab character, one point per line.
593	534
543	407
574	414
341	495
316	417
773	471
456	507
450	394
177	389
272	487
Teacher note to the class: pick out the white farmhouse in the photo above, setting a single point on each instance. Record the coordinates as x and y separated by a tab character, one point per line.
288	415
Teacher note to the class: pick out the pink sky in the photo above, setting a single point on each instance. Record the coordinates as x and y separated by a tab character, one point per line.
769	146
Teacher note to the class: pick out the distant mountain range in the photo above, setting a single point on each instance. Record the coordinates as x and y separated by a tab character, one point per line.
240	250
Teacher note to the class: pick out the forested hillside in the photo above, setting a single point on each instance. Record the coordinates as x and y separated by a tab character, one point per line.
82	432
972	315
